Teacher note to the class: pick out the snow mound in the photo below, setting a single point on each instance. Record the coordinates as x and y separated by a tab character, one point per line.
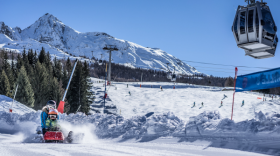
206	124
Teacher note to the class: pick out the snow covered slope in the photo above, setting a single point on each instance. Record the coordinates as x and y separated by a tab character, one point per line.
149	98
59	39
176	128
19	108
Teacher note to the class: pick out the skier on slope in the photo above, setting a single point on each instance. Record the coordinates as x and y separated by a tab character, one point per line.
202	104
193	104
221	103
44	115
243	103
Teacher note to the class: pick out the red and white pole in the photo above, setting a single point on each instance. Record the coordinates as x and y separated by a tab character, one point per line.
236	70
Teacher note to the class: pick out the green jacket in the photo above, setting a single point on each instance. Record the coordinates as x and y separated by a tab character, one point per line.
52	125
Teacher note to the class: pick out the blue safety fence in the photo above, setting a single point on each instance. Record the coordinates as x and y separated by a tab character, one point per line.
260	80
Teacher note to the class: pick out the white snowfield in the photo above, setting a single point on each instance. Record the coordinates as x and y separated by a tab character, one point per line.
6	103
175	129
61	40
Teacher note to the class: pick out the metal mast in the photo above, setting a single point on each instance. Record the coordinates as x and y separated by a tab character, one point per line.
110	48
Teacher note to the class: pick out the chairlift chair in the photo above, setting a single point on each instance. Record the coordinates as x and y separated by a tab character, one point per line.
173	77
254	30
169	75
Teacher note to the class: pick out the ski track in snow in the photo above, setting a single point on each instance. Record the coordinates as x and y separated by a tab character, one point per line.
199	130
109	148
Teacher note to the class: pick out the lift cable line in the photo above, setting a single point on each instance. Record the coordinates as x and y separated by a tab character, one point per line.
212	63
228	70
220	68
226	65
224	71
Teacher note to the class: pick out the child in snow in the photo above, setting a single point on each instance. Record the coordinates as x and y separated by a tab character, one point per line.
243	103
129	93
44	115
51	122
202	104
161	88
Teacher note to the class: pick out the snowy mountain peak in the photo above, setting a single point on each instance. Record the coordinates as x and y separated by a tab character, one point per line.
8	31
48	18
60	40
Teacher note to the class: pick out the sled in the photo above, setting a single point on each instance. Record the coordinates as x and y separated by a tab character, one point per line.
54	136
58	137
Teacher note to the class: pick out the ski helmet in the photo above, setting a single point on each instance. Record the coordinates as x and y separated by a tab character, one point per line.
53	114
52	111
51	103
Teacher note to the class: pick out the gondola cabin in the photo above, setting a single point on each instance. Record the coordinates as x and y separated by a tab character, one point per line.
254	30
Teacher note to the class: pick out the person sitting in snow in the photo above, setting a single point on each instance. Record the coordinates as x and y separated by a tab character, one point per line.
44	115
51	122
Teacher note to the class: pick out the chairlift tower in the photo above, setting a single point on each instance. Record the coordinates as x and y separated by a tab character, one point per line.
110	48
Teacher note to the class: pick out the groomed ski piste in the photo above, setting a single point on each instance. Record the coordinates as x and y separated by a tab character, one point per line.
176	127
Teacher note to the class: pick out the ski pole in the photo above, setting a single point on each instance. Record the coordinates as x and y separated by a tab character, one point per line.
61	103
11	108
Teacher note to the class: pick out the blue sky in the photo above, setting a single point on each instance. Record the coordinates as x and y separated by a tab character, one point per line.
190	30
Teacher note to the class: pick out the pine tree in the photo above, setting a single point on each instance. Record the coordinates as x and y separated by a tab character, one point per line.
30	57
57	69
13	68
40	86
7	68
55	90
74	94
19	62
42	56
65	79
5	88
24	56
79	92
25	92
35	58
68	66
87	98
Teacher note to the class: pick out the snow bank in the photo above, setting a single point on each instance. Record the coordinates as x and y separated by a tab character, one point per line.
206	124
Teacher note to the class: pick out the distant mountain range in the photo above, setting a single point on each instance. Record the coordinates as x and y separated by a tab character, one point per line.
61	41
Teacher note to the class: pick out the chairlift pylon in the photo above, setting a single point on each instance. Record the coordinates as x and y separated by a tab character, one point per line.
254	30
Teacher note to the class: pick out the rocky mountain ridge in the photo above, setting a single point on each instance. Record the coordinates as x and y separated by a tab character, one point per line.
63	41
